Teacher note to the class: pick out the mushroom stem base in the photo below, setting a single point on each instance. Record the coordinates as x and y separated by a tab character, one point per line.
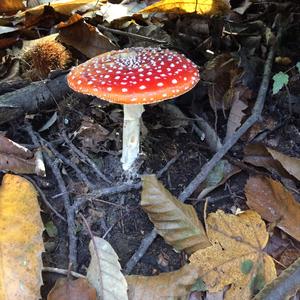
131	134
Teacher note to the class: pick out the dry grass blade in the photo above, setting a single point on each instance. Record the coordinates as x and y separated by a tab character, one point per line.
176	222
173	285
104	271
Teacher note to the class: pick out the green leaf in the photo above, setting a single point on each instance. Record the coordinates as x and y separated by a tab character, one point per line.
51	229
257	283
246	266
280	80
298	66
199	286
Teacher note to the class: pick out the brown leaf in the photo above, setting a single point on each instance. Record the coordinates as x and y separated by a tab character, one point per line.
21	243
257	155
225	76
291	164
235	257
274	203
172	285
66	289
176	222
17	165
235	118
11	6
84	37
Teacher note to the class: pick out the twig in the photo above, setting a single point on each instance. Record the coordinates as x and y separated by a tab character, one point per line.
84	157
67	161
132	35
62	272
68	210
188	191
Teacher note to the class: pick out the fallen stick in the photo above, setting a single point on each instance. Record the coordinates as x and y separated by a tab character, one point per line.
32	98
207	168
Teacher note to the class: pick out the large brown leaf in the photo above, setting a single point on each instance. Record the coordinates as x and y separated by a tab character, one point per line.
21	242
84	37
176	222
172	286
274	203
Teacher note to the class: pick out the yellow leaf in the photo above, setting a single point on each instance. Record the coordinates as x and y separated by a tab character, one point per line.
210	7
274	203
236	257
172	285
21	241
65	7
11	6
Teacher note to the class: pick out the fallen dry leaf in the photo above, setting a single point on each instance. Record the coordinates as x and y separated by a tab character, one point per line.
211	7
11	6
66	289
84	37
235	257
225	75
104	271
235	118
172	285
274	203
217	176
65	7
257	155
291	164
21	243
175	221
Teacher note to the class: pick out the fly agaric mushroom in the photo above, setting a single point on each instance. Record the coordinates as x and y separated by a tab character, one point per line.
134	77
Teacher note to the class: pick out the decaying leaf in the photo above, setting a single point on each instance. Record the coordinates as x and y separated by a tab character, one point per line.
21	242
291	164
235	118
235	257
176	222
11	6
173	285
210	7
258	155
104	271
274	203
84	37
66	289
225	76
218	176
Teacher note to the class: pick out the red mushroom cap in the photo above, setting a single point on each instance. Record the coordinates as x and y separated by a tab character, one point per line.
135	76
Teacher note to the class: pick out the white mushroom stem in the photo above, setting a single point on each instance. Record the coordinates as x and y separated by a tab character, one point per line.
131	134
